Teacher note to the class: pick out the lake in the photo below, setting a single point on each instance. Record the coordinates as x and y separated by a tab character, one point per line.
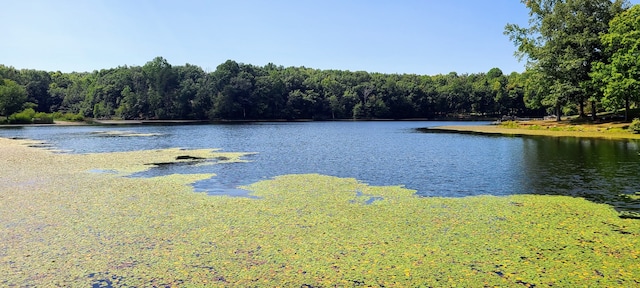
379	153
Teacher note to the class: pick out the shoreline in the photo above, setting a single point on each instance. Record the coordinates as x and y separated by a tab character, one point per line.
224	121
500	130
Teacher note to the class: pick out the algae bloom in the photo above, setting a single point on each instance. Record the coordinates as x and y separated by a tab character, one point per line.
63	225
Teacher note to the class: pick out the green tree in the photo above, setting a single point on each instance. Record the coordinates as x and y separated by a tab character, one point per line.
620	76
37	85
562	42
515	95
162	84
235	85
58	87
75	94
12	97
8	72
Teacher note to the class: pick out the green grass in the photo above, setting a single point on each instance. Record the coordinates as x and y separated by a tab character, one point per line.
510	124
69	227
635	126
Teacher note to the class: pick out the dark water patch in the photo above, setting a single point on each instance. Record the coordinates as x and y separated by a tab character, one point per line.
223	190
373	199
370	198
187	157
218	185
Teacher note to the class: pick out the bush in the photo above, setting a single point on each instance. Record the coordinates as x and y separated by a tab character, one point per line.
29	116
635	126
24	117
42	118
74	117
68	116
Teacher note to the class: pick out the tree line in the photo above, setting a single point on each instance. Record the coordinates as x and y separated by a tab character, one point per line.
158	90
582	57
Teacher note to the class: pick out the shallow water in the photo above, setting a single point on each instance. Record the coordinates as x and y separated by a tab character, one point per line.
378	153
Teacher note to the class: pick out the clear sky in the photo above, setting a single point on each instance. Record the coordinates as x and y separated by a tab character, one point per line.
392	36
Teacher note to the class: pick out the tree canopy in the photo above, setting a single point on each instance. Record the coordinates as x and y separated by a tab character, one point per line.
619	75
561	44
239	91
12	97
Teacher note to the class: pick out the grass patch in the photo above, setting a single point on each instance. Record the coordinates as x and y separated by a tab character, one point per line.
549	128
510	124
635	126
70	227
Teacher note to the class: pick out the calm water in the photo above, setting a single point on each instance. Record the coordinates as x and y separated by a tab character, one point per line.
382	153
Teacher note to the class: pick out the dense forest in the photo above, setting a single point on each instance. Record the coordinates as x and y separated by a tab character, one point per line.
159	90
582	57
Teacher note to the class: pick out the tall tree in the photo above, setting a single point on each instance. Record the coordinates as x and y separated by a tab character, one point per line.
562	42
620	75
12	97
162	82
37	84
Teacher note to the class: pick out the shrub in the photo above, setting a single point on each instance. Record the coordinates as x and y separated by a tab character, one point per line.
68	116
24	117
73	117
42	118
635	126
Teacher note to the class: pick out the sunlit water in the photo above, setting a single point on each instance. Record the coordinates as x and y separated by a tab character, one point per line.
380	153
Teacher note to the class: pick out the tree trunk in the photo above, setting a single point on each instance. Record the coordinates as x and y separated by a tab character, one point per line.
582	115
558	115
593	110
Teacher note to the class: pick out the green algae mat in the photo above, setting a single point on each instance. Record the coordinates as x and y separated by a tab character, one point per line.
63	224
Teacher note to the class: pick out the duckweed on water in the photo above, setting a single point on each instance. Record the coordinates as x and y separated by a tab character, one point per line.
61	225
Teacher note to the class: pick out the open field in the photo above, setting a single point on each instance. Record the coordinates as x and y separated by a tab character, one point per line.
76	220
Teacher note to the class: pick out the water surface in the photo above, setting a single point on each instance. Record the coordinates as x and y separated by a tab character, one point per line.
379	153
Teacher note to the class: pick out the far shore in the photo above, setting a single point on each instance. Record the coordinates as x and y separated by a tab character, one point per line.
181	122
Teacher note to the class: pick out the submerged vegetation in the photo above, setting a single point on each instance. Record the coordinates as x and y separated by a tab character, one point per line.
72	227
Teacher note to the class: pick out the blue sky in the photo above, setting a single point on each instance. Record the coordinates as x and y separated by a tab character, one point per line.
425	37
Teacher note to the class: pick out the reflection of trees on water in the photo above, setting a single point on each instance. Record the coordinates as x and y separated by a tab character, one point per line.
596	169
